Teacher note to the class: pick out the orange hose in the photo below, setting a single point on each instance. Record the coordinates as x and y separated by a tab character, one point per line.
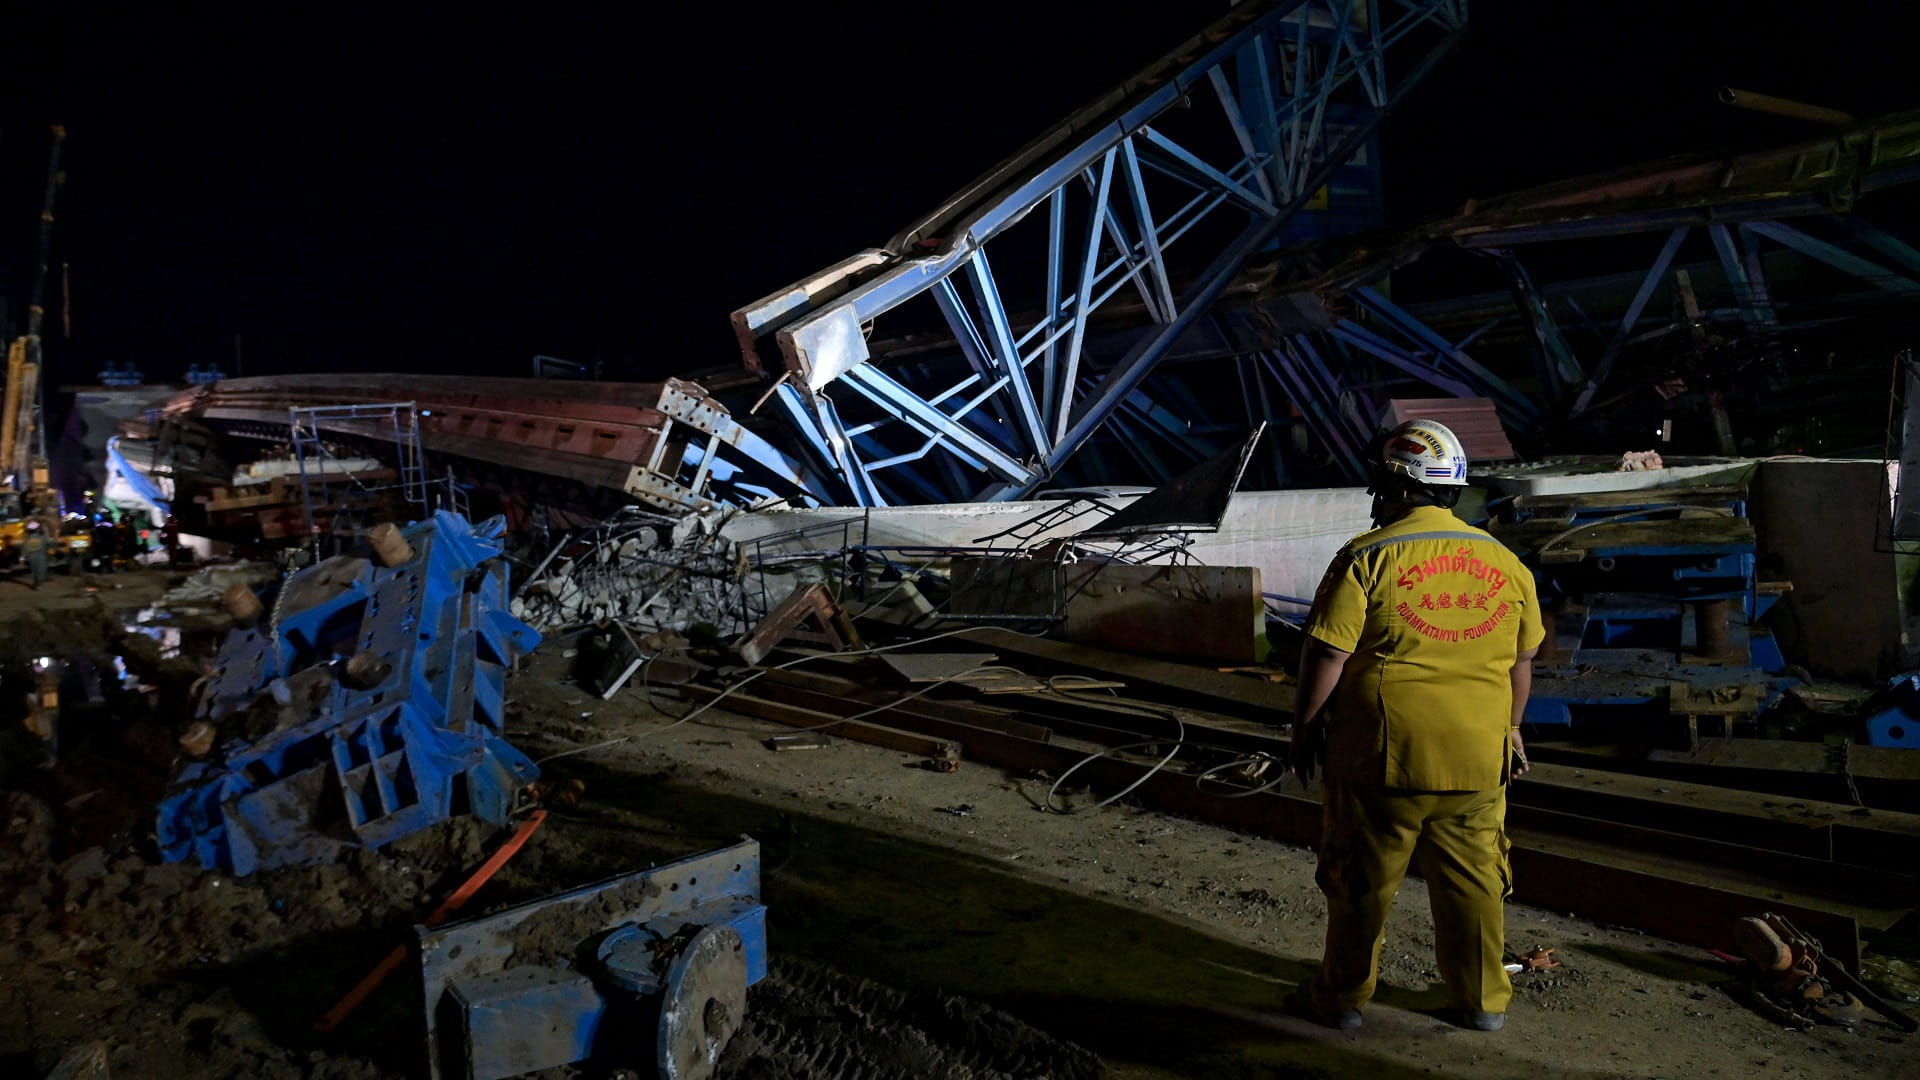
391	962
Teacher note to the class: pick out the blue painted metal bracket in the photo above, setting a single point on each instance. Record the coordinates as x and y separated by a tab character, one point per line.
381	693
1302	84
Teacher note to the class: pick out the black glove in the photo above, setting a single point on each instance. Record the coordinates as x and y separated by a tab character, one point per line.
1307	749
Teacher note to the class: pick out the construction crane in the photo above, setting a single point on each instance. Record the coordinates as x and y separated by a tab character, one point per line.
28	492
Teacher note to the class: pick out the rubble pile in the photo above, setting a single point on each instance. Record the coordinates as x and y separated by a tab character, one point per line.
204	587
646	570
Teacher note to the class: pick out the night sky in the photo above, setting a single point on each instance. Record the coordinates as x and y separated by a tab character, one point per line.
391	187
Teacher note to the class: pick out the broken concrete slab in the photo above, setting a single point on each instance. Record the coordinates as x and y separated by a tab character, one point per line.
1290	536
1213	614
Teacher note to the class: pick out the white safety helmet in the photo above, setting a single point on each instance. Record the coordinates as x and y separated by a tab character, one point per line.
1426	452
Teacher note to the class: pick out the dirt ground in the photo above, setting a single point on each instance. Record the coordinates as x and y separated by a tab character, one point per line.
1162	944
920	924
166	970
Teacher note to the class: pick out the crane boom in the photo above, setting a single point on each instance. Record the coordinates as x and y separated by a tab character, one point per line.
22	435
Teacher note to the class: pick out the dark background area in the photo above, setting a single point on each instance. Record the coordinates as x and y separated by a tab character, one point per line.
361	187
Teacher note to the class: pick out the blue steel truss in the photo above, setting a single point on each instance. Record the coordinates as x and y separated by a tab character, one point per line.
1888	265
1729	215
1730	211
1201	160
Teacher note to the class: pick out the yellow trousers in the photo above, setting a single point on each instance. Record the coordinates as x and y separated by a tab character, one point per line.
1461	841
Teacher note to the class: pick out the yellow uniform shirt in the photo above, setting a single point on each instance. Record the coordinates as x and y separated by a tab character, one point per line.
1433	611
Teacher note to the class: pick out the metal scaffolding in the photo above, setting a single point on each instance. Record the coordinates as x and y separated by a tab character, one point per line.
396	424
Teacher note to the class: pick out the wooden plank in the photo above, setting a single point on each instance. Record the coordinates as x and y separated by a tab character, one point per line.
1745	829
847	689
1877	898
1585	880
807	604
221	502
1888	779
1082	714
1696	905
1159	680
1011	685
826	723
1475	421
1026	722
1883	840
904	716
1731	849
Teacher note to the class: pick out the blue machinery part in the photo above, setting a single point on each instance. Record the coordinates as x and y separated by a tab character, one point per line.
1652	589
650	964
380	692
1898	722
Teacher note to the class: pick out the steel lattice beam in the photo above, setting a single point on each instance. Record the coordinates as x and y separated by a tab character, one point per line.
1200	160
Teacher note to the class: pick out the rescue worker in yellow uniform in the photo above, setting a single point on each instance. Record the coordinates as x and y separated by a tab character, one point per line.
1413	679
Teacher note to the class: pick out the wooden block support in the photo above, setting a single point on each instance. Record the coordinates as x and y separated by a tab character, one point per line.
807	614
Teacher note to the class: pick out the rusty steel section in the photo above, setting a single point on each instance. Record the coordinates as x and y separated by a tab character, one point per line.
1825	174
668	444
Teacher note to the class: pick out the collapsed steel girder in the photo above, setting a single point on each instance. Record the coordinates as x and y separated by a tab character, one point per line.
1735	202
667	444
1121	182
1306	327
1820	176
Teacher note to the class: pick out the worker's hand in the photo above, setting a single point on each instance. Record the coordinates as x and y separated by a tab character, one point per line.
1306	749
1519	753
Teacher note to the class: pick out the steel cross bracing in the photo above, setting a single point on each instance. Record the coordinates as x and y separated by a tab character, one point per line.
1723	218
1334	394
1150	199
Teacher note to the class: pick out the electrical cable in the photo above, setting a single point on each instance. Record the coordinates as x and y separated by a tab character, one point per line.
930	687
1051	802
1256	759
736	687
1123	792
1179	742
